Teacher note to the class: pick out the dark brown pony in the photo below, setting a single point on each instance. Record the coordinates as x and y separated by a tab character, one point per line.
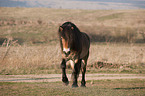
75	48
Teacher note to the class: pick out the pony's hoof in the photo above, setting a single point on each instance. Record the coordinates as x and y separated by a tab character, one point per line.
75	86
66	83
83	86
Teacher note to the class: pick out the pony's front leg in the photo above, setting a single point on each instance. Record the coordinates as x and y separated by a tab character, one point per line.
64	77
75	73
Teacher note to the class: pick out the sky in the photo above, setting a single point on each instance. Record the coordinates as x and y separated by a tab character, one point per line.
76	4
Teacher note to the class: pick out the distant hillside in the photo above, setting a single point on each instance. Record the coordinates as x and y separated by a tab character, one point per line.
40	25
76	4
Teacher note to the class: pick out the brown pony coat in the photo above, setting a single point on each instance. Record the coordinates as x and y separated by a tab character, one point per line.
75	47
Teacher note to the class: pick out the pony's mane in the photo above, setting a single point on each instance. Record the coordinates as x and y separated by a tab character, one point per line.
70	24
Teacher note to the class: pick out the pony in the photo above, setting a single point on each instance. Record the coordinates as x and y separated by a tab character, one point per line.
74	48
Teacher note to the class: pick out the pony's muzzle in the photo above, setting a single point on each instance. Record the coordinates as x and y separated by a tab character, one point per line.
66	51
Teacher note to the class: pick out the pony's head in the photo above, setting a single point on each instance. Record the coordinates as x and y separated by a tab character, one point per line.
68	34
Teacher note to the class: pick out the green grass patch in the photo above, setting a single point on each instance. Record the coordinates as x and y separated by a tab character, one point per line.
131	87
110	16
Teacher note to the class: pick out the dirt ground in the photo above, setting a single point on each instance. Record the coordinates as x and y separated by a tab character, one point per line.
57	77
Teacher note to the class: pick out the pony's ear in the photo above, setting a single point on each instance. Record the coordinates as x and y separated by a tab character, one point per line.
72	28
60	28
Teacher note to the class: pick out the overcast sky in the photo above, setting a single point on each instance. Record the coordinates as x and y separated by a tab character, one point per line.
76	4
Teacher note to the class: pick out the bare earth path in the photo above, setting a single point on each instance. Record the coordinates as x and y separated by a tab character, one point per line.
57	77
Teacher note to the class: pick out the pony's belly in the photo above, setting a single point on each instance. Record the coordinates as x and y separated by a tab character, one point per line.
84	52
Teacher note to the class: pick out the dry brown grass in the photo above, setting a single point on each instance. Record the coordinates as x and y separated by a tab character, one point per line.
37	50
31	59
118	53
46	58
116	24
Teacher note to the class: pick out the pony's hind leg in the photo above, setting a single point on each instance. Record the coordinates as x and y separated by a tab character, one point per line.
76	72
83	69
64	77
83	82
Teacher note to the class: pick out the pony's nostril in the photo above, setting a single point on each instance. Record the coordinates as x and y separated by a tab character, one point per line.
66	53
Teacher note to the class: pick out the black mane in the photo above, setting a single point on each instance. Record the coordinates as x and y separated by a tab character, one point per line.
69	25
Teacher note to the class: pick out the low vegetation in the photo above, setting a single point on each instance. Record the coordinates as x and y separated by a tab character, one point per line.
130	87
29	42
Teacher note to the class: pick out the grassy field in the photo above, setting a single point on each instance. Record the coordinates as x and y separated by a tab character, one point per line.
130	87
45	59
38	25
29	43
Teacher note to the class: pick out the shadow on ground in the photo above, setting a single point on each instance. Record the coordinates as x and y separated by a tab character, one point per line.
131	88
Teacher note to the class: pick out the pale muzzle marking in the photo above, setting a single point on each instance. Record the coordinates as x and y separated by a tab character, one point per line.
66	50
